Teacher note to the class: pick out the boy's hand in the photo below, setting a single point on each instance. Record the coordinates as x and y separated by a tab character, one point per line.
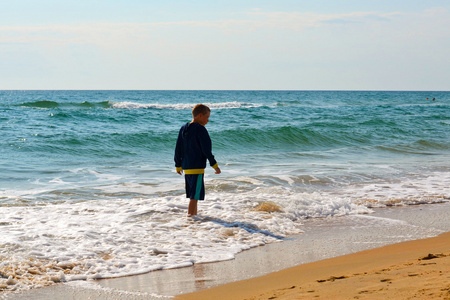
218	170
180	172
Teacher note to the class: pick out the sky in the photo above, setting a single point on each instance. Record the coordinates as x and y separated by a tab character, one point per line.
225	45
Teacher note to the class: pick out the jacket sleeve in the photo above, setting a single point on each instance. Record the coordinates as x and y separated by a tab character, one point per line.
206	146
178	157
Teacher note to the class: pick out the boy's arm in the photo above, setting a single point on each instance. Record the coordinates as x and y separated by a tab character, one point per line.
178	157
206	146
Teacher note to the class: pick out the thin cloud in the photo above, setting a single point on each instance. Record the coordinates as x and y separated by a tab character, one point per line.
256	20
299	21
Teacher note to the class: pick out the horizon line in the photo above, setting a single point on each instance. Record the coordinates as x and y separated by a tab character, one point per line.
232	90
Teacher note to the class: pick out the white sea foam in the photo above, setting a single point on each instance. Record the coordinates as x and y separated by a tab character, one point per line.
416	189
222	105
42	243
68	241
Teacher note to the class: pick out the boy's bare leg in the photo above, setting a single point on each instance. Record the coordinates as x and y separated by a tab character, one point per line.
192	210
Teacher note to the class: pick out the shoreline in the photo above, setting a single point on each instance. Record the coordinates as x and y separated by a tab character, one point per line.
414	269
323	239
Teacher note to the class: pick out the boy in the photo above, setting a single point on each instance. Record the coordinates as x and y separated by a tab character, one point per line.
192	149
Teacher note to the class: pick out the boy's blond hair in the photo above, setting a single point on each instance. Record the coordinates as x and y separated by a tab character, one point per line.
200	109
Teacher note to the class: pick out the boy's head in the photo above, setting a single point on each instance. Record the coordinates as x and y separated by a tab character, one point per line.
201	114
200	109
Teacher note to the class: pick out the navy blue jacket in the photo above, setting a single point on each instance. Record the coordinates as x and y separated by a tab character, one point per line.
193	148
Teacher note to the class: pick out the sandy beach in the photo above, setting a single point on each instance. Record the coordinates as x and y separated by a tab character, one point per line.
410	270
331	259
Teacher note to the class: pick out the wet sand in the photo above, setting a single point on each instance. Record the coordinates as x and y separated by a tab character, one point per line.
417	269
323	239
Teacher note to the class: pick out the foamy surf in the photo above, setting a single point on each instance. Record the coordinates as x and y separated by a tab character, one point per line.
45	243
221	105
51	243
69	241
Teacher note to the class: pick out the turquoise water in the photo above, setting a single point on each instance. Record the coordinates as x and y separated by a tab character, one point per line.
54	137
88	177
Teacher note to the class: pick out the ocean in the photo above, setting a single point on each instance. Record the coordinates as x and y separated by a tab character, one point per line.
88	187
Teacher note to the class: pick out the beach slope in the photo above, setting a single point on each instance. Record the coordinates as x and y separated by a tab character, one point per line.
416	269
